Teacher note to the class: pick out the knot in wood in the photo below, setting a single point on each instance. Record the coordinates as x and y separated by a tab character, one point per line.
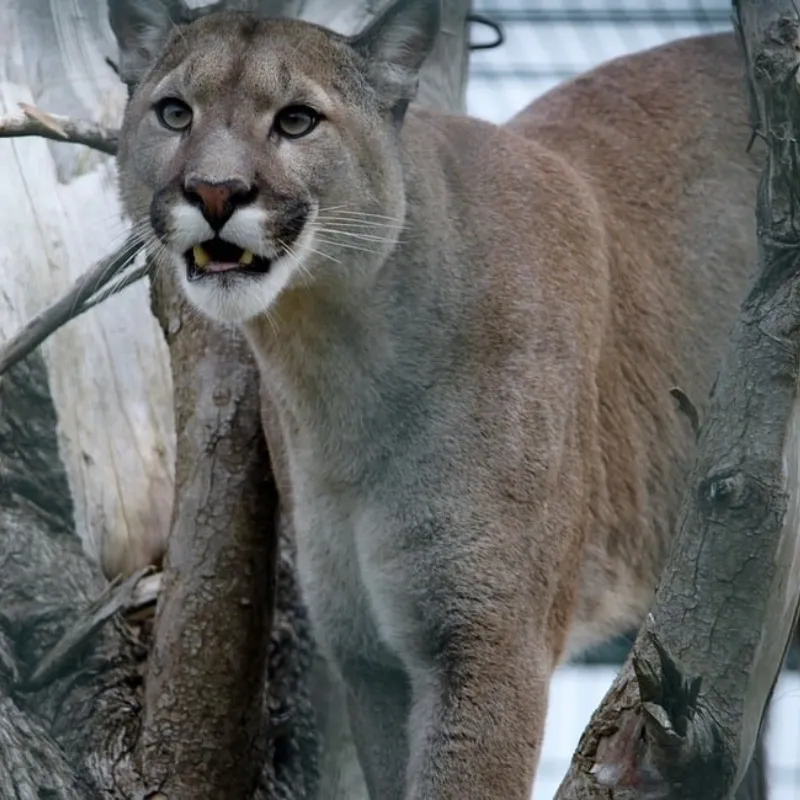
776	60
731	491
786	31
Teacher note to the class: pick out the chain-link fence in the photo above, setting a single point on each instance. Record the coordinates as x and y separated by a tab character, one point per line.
546	42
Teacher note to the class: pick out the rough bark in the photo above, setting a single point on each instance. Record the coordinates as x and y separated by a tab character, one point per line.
72	736
684	716
93	705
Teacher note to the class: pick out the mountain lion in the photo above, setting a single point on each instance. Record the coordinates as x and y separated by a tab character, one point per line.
467	335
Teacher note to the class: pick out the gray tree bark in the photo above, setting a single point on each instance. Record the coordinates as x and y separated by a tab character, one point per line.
213	697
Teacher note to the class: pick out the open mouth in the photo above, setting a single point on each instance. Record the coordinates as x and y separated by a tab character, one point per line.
216	256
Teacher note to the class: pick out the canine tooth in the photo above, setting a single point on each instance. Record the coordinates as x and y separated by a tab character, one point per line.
201	257
246	258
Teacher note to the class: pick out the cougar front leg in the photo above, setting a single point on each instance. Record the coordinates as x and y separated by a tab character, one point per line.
340	773
378	703
476	725
470	615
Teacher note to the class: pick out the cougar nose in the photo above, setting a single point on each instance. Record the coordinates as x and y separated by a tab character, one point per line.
218	201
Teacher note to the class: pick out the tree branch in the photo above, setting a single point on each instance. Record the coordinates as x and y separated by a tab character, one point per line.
98	283
119	596
219	573
84	293
683	717
31	121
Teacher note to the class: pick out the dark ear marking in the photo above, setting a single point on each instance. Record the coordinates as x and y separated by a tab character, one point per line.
395	45
142	28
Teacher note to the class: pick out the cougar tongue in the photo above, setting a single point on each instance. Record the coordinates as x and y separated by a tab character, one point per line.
221	266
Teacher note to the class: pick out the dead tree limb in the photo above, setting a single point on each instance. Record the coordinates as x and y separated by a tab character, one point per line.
89	290
683	718
31	121
217	598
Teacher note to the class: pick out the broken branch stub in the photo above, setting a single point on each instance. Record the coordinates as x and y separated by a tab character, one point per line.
31	121
683	718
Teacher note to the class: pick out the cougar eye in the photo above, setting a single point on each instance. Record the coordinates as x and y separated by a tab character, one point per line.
296	121
174	114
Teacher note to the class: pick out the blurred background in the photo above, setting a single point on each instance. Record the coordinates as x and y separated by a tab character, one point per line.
547	41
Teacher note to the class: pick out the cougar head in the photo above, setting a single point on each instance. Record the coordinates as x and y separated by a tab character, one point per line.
261	155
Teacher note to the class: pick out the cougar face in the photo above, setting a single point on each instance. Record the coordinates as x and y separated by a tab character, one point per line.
259	155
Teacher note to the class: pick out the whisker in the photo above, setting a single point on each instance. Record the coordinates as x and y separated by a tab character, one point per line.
345	245
321	254
305	274
366	237
363	221
354	223
358	213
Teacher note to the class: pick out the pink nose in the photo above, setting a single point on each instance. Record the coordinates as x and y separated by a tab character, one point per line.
218	201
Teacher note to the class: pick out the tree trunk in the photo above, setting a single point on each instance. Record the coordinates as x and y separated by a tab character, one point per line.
203	702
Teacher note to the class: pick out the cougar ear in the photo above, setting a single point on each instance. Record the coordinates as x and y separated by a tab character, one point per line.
396	43
141	28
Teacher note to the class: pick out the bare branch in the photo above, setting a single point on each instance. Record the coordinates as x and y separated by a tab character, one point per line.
118	597
31	121
84	293
143	600
115	286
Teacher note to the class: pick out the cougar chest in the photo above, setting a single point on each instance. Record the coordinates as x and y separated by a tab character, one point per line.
339	529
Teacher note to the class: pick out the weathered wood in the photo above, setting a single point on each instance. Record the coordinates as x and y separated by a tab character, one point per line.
216	605
99	463
30	121
108	372
75	733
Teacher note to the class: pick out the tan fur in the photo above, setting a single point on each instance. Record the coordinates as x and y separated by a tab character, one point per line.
472	414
